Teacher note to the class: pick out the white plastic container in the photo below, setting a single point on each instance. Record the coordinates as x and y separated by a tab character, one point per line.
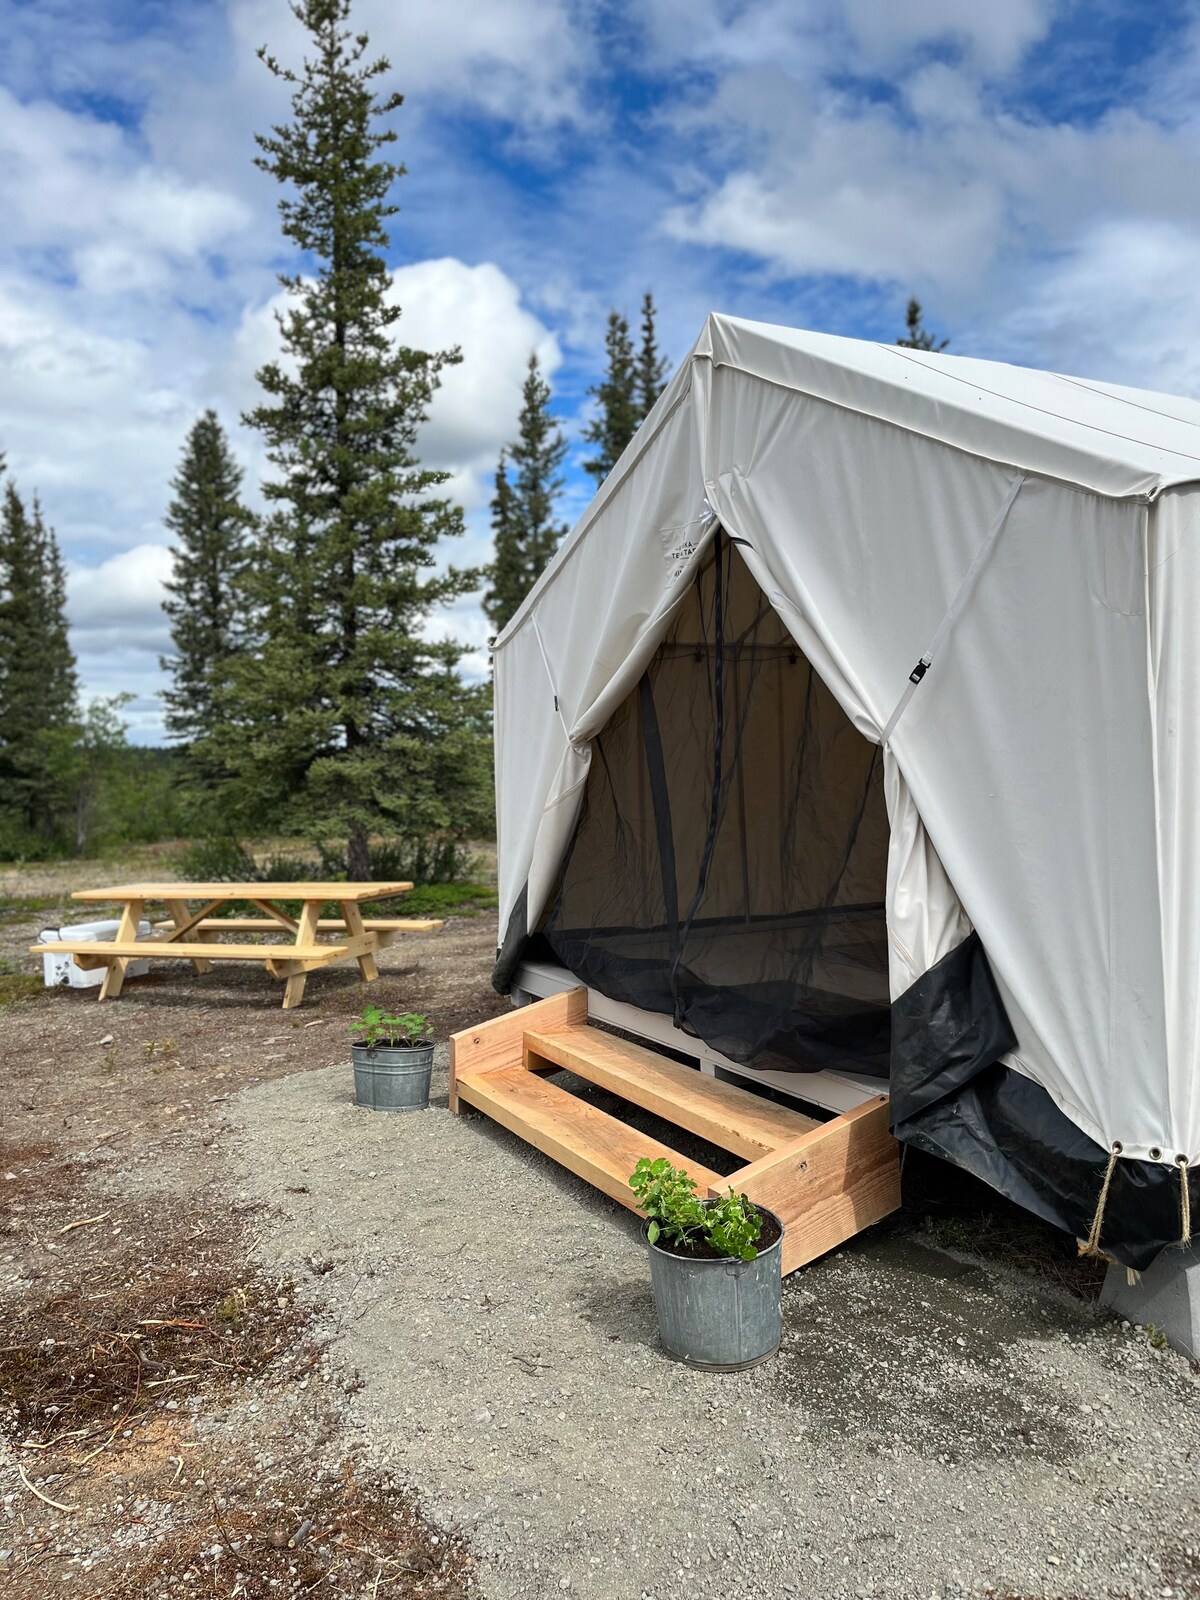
60	970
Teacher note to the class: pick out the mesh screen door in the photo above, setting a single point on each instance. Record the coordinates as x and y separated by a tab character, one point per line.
730	860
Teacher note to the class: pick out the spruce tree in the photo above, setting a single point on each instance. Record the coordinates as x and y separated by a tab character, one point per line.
617	417
347	707
917	336
210	528
523	526
38	683
652	367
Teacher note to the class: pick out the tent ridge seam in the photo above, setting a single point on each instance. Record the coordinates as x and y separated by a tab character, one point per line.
1132	496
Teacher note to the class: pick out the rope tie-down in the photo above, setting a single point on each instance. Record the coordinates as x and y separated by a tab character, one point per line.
1091	1245
1185	1202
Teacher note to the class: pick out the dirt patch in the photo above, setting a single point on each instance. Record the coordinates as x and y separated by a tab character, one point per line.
170	1420
152	1301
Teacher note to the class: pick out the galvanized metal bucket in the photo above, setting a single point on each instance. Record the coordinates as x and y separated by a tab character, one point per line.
723	1315
392	1078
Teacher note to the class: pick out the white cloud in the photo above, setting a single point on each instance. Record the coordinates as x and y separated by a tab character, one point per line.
102	430
996	35
91	420
854	194
119	630
78	189
444	303
122	595
1123	303
522	60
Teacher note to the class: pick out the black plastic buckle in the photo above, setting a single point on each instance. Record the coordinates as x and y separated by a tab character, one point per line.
919	671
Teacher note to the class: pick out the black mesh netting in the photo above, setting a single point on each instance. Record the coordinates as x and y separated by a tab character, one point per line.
729	863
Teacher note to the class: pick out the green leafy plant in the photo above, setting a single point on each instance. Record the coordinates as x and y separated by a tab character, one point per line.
376	1027
730	1225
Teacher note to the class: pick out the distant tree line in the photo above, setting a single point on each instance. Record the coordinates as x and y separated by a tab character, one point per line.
68	778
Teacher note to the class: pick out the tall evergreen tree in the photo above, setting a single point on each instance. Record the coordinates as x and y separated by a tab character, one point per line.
38	683
652	367
523	526
617	417
211	528
917	336
347	706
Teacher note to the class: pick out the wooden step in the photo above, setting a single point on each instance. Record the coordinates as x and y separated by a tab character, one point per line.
590	1143
729	1117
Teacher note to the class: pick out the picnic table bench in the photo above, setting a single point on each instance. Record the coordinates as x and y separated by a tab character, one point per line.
191	934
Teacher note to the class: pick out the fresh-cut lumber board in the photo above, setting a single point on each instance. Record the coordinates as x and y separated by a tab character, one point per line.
98	952
729	1117
325	925
324	892
586	1141
500	1043
828	1185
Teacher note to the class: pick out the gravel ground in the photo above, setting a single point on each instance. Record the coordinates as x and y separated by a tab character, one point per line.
935	1424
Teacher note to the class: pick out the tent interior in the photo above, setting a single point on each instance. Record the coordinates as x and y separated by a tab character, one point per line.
729	864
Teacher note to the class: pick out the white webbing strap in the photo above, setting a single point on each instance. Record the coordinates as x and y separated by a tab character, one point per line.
956	605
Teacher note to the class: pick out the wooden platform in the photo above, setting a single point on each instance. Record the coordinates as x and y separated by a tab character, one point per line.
825	1180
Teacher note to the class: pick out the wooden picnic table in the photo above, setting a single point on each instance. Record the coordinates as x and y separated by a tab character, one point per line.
357	939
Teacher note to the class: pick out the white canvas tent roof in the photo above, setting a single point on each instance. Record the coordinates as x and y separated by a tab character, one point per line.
1032	539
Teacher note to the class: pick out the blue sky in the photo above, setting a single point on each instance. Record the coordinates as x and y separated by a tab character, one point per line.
1028	168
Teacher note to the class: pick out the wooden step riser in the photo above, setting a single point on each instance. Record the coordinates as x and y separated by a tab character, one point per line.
500	1043
830	1185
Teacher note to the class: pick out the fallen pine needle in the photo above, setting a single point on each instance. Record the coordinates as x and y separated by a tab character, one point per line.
84	1222
188	1377
160	1322
33	1489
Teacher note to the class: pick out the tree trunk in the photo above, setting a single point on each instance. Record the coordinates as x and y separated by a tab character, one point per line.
358	857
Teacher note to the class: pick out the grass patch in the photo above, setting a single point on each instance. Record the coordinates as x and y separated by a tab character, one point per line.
18	986
19	907
441	900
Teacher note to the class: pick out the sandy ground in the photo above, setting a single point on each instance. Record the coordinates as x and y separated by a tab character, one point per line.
435	1329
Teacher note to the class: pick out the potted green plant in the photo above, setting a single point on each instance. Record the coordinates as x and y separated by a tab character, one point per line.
714	1269
393	1060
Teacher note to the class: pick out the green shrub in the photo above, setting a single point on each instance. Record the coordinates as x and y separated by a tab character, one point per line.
420	859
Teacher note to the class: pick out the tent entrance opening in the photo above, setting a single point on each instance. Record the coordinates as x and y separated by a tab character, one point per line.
730	860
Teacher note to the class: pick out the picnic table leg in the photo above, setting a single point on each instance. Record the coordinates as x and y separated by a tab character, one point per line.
114	977
306	934
180	915
354	926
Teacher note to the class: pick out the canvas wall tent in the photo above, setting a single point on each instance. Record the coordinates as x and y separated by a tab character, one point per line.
859	719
